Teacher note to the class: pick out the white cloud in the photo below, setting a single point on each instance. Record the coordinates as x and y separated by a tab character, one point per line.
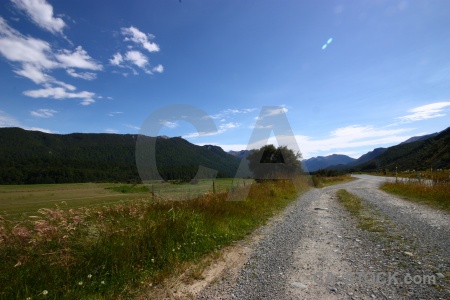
39	129
137	58
113	113
227	126
158	69
109	130
135	35
349	137
61	93
82	75
169	124
41	13
222	128
227	112
18	48
33	73
35	58
117	59
428	111
7	121
273	112
77	59
43	113
132	57
132	126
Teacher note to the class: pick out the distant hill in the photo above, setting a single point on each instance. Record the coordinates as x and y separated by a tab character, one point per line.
368	156
433	152
418	152
419	138
37	157
240	154
322	162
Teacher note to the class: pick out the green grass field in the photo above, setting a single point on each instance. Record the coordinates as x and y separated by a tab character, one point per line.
118	251
27	199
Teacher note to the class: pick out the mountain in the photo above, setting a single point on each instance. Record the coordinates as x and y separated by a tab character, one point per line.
419	138
240	154
37	157
322	162
368	156
433	152
414	153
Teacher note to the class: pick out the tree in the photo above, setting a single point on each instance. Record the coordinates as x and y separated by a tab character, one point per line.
269	162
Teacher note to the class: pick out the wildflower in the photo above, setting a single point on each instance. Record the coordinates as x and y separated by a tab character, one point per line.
103	282
153	260
80	283
89	276
44	292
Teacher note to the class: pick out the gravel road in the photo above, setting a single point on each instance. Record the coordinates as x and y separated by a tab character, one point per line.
315	250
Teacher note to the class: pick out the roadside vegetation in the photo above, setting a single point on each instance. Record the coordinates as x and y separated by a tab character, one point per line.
111	251
432	189
324	178
363	215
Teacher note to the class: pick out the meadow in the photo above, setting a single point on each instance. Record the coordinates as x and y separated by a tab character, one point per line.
427	187
117	250
27	199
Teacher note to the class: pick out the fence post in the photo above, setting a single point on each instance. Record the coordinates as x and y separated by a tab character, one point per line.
214	186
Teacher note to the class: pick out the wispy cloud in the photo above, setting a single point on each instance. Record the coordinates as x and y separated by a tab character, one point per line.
7	120
132	126
116	60
82	75
135	35
78	58
135	58
61	93
40	129
158	69
114	113
34	58
273	112
222	128
41	13
109	130
43	113
429	111
169	124
229	112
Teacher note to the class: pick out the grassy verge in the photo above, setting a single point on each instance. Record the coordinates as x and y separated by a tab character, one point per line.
113	251
393	240
364	216
323	181
436	194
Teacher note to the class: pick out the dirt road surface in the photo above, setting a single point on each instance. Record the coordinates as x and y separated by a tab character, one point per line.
316	250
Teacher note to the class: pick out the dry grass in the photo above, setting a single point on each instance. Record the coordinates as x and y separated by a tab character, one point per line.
435	193
111	252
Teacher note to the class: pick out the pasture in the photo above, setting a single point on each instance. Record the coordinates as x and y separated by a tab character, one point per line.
28	199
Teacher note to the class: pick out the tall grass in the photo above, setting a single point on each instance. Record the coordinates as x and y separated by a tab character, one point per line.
109	252
434	192
324	181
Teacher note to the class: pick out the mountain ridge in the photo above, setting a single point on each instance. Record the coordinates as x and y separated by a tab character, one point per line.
38	157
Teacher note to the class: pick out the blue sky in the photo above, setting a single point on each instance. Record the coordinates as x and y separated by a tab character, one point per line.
349	75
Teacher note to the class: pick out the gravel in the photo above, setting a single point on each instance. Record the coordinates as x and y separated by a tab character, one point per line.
315	237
